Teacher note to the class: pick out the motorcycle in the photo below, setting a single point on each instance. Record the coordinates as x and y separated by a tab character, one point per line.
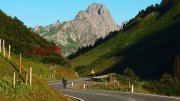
65	84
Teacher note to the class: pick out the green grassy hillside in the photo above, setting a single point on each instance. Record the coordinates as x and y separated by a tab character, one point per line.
52	66
15	33
41	73
148	45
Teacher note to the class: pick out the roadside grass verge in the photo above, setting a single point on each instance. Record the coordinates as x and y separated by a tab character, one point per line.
111	87
39	89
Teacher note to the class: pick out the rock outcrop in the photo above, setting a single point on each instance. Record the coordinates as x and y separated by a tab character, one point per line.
89	25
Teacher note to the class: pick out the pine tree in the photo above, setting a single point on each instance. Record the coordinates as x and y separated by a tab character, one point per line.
176	69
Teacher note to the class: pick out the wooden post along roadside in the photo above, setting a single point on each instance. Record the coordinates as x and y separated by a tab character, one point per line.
0	45
4	47
14	79
20	60
26	79
84	86
30	80
132	89
9	52
72	83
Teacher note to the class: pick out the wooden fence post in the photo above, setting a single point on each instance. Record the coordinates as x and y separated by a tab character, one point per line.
132	89
20	63
84	86
4	47
0	45
26	79
14	79
9	52
30	76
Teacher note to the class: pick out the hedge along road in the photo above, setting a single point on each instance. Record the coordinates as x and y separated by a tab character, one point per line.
95	95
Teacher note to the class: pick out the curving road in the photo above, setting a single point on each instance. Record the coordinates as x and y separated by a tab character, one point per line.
94	95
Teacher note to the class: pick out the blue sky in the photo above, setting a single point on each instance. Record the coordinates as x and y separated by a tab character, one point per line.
46	12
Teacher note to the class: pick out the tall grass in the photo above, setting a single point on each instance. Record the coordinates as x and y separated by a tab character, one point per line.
41	73
7	90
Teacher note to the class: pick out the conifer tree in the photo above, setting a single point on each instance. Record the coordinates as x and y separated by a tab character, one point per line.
176	69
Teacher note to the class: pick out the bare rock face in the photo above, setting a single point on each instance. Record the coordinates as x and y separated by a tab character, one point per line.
89	25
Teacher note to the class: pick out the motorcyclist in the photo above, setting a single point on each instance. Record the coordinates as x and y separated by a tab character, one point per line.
64	81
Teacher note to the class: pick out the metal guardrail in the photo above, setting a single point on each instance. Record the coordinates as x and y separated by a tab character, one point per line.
99	77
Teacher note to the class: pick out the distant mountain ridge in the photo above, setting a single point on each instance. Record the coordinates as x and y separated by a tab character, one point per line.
88	26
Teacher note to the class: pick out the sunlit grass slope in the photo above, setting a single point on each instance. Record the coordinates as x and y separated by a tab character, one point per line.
148	45
41	73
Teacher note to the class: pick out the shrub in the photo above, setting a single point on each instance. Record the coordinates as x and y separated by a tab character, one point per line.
79	68
8	91
167	85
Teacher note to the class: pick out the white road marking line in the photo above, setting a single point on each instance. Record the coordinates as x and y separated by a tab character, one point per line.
101	94
132	100
61	82
75	98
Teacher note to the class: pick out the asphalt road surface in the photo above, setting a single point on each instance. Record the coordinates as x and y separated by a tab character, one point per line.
94	95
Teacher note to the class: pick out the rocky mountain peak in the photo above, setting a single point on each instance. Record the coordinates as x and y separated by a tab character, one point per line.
36	28
89	25
95	8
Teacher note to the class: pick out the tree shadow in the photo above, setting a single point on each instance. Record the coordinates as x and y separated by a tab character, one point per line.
14	66
176	17
130	26
152	56
163	9
17	71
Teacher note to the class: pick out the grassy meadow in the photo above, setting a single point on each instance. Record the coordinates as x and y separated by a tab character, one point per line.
41	73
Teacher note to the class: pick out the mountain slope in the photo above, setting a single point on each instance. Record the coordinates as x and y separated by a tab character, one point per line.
148	45
14	33
39	89
83	30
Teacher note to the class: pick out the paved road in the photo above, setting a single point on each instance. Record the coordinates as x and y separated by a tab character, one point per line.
91	95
